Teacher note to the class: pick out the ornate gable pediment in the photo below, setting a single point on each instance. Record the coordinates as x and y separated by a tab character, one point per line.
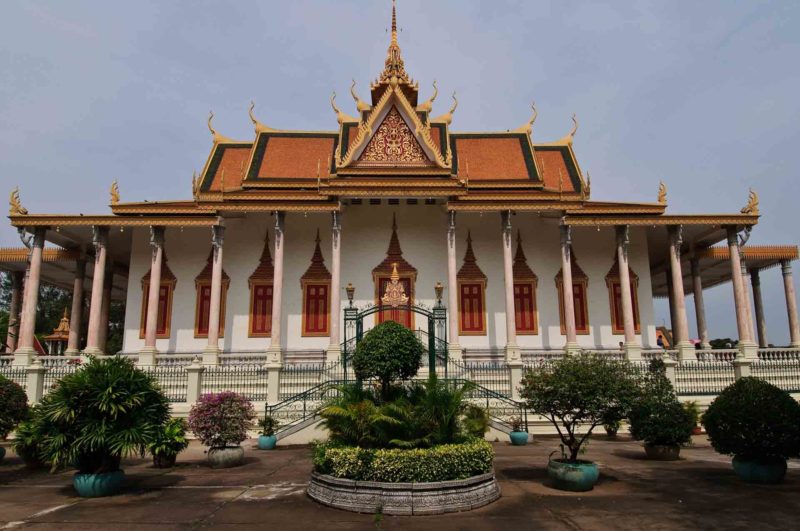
393	144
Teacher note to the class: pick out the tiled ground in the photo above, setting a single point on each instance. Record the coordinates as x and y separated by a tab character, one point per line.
698	492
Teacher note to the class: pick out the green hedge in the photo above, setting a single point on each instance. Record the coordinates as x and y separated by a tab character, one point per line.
439	463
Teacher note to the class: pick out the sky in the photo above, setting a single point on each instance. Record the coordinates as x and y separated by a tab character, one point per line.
701	95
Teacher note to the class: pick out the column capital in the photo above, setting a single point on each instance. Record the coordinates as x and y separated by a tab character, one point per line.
38	236
566	234
336	221
676	237
280	216
99	236
755	276
786	267
505	217
156	236
731	235
217	236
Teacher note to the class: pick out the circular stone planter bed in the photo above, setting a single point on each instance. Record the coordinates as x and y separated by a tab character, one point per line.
436	497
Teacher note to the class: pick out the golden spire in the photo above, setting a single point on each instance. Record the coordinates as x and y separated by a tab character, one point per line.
428	105
361	105
752	204
528	127
448	116
662	193
114	193
394	70
15	205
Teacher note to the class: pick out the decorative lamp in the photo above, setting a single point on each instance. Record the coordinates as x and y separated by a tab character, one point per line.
438	288
351	291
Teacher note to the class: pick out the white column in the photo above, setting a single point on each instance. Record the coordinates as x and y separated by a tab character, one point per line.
512	349
76	315
791	303
147	355
25	352
633	349
105	308
680	332
699	305
100	242
747	348
454	348
758	302
569	300
274	351
747	305
14	308
334	348
212	350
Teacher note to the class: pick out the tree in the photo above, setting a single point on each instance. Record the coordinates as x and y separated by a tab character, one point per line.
389	352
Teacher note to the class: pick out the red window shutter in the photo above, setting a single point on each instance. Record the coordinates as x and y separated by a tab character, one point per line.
524	307
262	309
316	309
163	310
471	308
203	309
579	301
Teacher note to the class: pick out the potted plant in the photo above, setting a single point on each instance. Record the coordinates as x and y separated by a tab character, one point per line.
13	408
611	424
101	412
759	425
267	438
659	419
518	435
694	410
220	421
168	443
577	392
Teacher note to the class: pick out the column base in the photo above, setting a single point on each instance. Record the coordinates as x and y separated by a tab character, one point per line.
333	354
455	352
517	370
211	355
92	351
24	357
794	345
705	346
273	383
741	368
686	351
147	357
633	351
572	349
747	350
513	355
72	352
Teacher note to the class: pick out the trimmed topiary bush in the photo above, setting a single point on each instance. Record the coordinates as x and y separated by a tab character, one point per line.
221	420
753	419
13	406
657	417
389	352
439	463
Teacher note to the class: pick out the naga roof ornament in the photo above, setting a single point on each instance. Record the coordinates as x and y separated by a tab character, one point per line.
361	105
218	138
571	135
752	204
528	127
15	205
662	193
114	192
427	106
340	116
448	116
260	127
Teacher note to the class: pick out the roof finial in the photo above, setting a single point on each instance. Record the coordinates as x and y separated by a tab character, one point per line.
340	116
428	105
662	193
448	116
258	125
114	193
394	71
528	127
571	135
752	204
15	205
217	137
194	184
361	105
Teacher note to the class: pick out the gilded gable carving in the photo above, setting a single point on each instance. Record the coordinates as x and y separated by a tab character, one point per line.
394	142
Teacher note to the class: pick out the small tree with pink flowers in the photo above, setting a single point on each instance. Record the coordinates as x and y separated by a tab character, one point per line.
221	420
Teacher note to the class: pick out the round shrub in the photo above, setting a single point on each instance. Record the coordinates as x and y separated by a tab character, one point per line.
389	352
657	417
753	419
13	406
439	463
104	410
221	420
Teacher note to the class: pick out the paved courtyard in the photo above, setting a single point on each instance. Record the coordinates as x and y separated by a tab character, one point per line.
698	492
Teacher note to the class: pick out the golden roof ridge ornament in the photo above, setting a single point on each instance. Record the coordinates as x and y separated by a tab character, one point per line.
448	116
427	106
218	138
395	294
394	71
15	205
571	135
751	207
114	192
527	128
195	185
662	193
361	105
259	127
340	116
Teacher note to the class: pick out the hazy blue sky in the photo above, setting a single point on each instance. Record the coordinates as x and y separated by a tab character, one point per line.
704	95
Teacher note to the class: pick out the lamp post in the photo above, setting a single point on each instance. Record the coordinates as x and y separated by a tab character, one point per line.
351	291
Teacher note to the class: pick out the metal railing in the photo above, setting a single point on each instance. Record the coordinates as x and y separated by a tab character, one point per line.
247	380
172	379
703	377
717	354
14	373
779	353
784	373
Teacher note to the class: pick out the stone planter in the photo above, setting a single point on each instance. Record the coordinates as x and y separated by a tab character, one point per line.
226	457
164	460
766	471
404	498
579	476
518	438
659	452
98	485
267	442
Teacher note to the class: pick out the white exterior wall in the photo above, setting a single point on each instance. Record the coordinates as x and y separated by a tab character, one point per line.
366	230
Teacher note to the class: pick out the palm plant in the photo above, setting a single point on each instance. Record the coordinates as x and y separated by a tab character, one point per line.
105	410
353	418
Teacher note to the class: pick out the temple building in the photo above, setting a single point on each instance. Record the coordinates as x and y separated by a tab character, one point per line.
284	230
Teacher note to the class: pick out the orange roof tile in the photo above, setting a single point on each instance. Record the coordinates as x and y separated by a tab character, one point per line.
554	168
492	158
233	161
296	157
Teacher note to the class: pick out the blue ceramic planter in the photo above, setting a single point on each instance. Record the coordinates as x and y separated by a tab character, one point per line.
518	438
575	477
764	471
98	485
267	442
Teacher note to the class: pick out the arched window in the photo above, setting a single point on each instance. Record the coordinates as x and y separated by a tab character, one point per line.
316	286
167	287
580	287
202	283
261	295
526	315
471	295
381	276
615	298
